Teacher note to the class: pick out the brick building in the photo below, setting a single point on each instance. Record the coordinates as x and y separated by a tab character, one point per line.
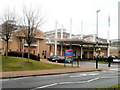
115	47
45	44
85	47
15	43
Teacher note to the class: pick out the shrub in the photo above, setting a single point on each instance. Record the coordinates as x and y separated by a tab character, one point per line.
19	54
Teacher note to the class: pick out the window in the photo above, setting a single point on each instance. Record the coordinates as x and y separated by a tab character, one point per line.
9	49
44	52
34	51
0	50
30	51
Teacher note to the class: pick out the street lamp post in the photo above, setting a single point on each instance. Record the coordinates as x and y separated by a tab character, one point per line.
97	36
97	24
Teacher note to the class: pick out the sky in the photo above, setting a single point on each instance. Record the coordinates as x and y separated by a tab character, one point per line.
77	10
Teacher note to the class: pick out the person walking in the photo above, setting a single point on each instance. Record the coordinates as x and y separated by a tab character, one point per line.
110	59
78	60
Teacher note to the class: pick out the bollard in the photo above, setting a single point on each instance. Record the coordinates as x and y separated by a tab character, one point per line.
78	63
96	64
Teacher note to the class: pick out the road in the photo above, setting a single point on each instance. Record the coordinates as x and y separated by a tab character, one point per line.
94	79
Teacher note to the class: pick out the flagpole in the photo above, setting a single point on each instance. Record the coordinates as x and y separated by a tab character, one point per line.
81	29
108	36
56	37
70	27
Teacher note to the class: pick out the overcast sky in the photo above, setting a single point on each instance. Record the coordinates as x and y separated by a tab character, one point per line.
63	10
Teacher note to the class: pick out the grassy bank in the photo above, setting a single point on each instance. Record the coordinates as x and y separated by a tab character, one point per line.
18	64
113	87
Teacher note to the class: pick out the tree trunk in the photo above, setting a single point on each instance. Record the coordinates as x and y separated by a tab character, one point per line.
21	46
28	52
6	48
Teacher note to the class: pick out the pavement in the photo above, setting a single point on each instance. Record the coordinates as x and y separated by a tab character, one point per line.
81	68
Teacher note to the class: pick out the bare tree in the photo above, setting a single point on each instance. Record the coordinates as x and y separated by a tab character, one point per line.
8	24
32	19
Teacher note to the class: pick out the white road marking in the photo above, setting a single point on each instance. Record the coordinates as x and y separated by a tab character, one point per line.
93	79
19	78
4	80
104	71
64	74
14	78
64	83
94	73
53	75
116	69
46	86
90	74
71	82
79	75
109	77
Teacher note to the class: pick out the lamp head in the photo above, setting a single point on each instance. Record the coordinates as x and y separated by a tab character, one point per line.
98	11
99	49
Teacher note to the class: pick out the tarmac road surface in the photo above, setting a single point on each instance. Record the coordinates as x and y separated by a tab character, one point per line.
94	79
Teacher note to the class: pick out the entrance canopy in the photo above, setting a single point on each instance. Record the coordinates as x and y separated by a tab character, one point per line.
79	41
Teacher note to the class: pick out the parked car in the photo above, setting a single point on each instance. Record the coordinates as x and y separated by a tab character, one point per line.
114	57
101	58
116	60
60	59
56	58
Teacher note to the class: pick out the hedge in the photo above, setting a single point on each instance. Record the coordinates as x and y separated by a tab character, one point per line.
19	54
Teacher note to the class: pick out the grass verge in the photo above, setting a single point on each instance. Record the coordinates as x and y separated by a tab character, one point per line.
18	64
113	87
